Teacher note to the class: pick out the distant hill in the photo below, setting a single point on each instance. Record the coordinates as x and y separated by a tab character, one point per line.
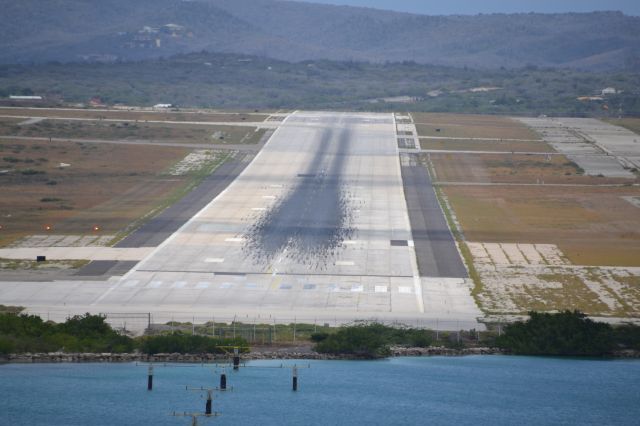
223	80
109	30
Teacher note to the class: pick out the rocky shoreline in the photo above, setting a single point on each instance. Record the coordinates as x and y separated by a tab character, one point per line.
283	354
280	353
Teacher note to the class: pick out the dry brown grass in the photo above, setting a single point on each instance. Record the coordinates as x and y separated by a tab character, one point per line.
471	126
592	226
123	180
133	115
632	124
204	134
513	168
572	294
481	145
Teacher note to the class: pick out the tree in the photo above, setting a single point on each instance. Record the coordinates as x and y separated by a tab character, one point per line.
566	333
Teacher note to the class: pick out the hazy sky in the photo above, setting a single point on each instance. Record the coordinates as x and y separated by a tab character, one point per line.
472	7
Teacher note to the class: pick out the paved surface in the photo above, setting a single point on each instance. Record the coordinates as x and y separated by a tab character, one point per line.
158	229
597	147
316	227
73	253
435	247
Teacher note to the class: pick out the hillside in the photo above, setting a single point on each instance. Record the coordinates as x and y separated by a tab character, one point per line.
109	30
241	81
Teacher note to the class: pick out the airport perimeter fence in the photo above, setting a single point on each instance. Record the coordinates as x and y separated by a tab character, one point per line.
271	330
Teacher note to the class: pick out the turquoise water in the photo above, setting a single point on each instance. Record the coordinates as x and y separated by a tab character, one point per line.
475	390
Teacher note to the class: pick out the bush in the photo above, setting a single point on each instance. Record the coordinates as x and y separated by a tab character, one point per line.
627	336
362	341
187	344
566	333
31	172
6	346
319	337
81	333
370	340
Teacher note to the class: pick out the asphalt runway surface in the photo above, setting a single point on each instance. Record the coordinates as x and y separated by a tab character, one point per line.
436	250
316	227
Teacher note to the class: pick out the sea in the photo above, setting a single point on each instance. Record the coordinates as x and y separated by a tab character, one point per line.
470	390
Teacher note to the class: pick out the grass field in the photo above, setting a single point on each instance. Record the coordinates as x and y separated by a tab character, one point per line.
106	185
133	115
482	145
632	124
592	226
471	126
108	130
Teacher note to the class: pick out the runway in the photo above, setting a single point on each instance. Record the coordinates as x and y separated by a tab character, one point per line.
318	221
316	227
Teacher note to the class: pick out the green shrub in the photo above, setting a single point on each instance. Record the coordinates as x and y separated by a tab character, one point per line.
6	346
566	333
627	336
319	337
362	341
187	344
81	333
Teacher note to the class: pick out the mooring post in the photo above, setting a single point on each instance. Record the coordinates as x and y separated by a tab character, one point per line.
295	378
223	380
150	378
236	359
207	408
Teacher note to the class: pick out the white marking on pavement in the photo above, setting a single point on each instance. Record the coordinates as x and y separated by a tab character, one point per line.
179	284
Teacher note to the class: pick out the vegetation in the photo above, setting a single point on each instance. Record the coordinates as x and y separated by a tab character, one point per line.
91	333
9	309
105	30
235	81
187	343
81	333
566	333
563	334
369	340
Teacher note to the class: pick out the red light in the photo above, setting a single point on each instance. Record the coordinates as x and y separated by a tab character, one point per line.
47	228
96	228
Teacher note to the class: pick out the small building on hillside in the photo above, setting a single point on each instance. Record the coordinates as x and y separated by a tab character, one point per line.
96	101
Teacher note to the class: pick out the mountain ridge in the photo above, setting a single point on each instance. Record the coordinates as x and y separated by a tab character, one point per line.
70	30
